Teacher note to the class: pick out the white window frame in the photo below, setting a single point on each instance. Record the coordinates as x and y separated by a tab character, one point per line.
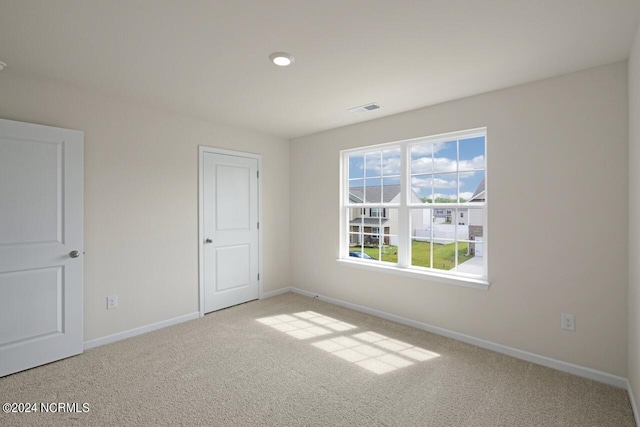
404	267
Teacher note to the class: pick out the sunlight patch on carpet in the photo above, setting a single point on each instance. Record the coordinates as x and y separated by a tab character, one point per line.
370	350
326	321
375	352
306	324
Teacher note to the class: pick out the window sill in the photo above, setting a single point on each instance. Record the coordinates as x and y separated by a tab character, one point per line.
467	282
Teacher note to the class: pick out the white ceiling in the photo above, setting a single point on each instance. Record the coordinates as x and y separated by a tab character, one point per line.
209	59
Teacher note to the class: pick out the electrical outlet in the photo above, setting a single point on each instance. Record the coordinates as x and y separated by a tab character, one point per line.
568	322
112	302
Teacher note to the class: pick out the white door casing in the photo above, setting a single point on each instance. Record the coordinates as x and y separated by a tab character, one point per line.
229	228
41	225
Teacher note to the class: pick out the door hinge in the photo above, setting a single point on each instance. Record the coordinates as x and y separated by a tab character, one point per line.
258	226
258	174
258	276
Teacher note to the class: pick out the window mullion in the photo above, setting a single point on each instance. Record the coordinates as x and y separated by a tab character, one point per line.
404	226
345	236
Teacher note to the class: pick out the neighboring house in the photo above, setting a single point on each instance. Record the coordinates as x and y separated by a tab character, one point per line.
373	226
463	217
442	215
466	216
449	224
370	225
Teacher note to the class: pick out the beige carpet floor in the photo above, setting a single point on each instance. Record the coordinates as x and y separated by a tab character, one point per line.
295	361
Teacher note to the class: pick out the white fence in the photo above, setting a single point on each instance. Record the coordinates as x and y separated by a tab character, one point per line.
443	231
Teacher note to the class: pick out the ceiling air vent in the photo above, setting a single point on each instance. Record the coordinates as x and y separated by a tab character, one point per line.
363	109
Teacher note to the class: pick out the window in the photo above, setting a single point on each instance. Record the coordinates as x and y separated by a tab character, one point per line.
377	213
413	190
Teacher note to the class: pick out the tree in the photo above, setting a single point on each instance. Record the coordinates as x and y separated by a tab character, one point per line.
426	199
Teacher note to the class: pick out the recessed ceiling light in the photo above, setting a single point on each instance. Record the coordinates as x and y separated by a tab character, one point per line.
281	59
2	65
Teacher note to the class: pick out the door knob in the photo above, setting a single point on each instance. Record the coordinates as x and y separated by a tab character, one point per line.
74	254
208	241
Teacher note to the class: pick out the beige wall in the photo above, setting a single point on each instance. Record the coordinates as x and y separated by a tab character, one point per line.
634	215
141	200
555	147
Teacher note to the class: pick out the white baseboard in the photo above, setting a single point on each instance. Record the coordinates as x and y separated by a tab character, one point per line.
141	330
633	403
571	368
266	295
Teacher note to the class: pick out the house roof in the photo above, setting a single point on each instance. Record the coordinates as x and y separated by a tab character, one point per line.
372	194
478	195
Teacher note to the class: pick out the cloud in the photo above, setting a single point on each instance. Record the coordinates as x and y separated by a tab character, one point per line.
464	195
426	148
385	163
444	164
445	183
475	163
437	182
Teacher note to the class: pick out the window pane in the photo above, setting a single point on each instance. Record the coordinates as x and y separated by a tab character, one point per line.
356	222
420	252
443	234
444	254
356	191
462	220
391	190
445	156
373	164
391	162
389	241
372	238
356	166
472	186
472	154
422	188
421	158
471	249
441	222
445	187
467	263
421	237
355	240
359	232
373	190
419	221
475	225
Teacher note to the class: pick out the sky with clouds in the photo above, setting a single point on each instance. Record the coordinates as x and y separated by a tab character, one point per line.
449	169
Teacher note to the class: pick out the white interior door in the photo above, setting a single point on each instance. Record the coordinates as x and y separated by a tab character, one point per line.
230	230
41	201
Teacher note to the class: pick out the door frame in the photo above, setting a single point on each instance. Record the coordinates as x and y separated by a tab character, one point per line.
202	149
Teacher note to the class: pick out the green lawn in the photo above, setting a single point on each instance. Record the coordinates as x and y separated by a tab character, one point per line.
443	255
